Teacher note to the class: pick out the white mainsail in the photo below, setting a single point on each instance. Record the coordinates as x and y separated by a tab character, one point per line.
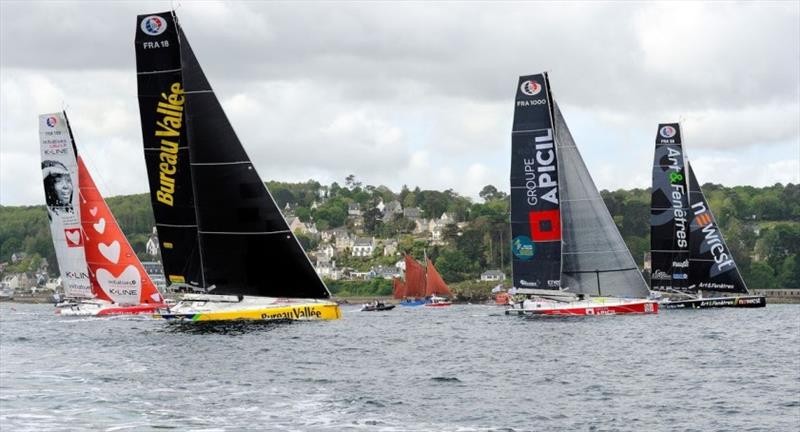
60	176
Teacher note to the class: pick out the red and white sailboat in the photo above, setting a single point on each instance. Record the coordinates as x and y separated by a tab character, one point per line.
100	272
435	289
568	255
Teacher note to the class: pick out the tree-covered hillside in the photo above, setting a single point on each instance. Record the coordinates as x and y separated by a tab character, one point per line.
761	225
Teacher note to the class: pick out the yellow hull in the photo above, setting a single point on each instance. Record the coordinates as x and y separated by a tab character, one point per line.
296	312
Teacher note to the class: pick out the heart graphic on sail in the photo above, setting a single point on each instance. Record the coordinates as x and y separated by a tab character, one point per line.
73	237
110	252
100	226
93	211
123	289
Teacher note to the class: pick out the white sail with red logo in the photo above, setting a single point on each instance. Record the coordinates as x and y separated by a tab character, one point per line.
60	177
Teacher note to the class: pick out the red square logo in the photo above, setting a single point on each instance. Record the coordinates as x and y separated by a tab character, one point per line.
545	225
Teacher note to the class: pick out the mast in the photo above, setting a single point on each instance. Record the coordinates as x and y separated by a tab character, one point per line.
62	192
166	151
535	204
711	264
669	210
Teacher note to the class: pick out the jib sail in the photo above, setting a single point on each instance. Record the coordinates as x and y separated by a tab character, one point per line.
711	265
596	260
535	205
669	213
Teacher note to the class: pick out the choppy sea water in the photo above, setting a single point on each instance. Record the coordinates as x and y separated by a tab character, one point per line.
464	368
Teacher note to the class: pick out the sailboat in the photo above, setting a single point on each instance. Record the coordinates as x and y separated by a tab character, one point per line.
423	285
221	234
568	255
688	253
99	270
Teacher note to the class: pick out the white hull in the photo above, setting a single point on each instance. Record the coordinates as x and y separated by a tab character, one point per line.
591	306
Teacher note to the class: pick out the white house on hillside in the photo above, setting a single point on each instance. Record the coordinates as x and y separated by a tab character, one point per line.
493	276
363	247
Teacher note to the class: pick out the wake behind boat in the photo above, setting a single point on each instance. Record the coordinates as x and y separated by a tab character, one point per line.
100	272
220	231
568	255
688	253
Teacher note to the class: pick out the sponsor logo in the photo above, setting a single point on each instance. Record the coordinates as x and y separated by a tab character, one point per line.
661	275
681	264
712	240
168	129
545	225
523	248
667	131
540	171
528	284
51	121
153	25
295	313
680	276
530	88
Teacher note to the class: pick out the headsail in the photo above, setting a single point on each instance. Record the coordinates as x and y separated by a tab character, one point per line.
113	265
61	190
434	283
596	260
535	205
669	212
711	265
162	112
415	278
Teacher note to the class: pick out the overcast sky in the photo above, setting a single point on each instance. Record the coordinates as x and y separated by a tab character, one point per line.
417	93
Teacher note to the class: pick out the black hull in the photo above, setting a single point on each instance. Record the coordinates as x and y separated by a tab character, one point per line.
717	302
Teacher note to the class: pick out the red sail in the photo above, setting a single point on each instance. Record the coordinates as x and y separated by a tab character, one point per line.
436	285
415	278
114	269
398	288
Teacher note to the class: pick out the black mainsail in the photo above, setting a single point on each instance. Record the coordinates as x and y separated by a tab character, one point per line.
535	207
162	108
563	235
669	213
245	244
711	265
